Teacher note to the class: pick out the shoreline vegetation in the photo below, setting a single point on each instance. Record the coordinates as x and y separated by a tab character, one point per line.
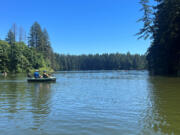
17	56
162	26
112	61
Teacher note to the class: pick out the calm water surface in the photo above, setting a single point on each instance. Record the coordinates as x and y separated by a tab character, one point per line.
91	103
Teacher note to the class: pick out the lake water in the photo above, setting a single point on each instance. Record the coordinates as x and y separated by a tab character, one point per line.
91	103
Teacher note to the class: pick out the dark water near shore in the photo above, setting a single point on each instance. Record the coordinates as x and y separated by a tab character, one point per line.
91	103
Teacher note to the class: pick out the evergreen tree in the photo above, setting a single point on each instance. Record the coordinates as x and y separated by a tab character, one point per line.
36	37
148	20
101	62
164	53
13	57
47	50
39	40
10	37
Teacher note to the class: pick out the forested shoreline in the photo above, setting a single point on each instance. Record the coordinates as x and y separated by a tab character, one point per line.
112	61
17	56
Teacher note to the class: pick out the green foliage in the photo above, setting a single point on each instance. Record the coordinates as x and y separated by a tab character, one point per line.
10	37
101	62
39	40
19	58
163	55
147	18
4	55
35	36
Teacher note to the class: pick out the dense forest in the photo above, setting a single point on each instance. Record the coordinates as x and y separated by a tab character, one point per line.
16	56
114	61
162	25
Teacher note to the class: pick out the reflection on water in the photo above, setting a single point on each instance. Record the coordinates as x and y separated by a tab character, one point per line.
40	96
92	103
165	116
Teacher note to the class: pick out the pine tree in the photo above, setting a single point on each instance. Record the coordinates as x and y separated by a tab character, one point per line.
13	58
39	40
164	53
47	49
10	37
147	19
36	37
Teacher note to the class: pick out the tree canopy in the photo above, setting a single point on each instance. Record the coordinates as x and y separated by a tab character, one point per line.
18	57
163	55
113	61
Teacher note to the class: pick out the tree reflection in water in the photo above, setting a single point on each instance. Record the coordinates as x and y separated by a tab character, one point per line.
40	100
162	114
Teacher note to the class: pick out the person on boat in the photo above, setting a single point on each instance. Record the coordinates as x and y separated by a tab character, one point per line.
29	75
4	73
36	74
45	75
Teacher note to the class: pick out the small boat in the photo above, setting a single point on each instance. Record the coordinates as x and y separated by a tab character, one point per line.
50	79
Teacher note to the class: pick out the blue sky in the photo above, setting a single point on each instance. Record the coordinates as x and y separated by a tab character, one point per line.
79	26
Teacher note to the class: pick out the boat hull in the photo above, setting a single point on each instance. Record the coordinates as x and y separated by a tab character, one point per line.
52	79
